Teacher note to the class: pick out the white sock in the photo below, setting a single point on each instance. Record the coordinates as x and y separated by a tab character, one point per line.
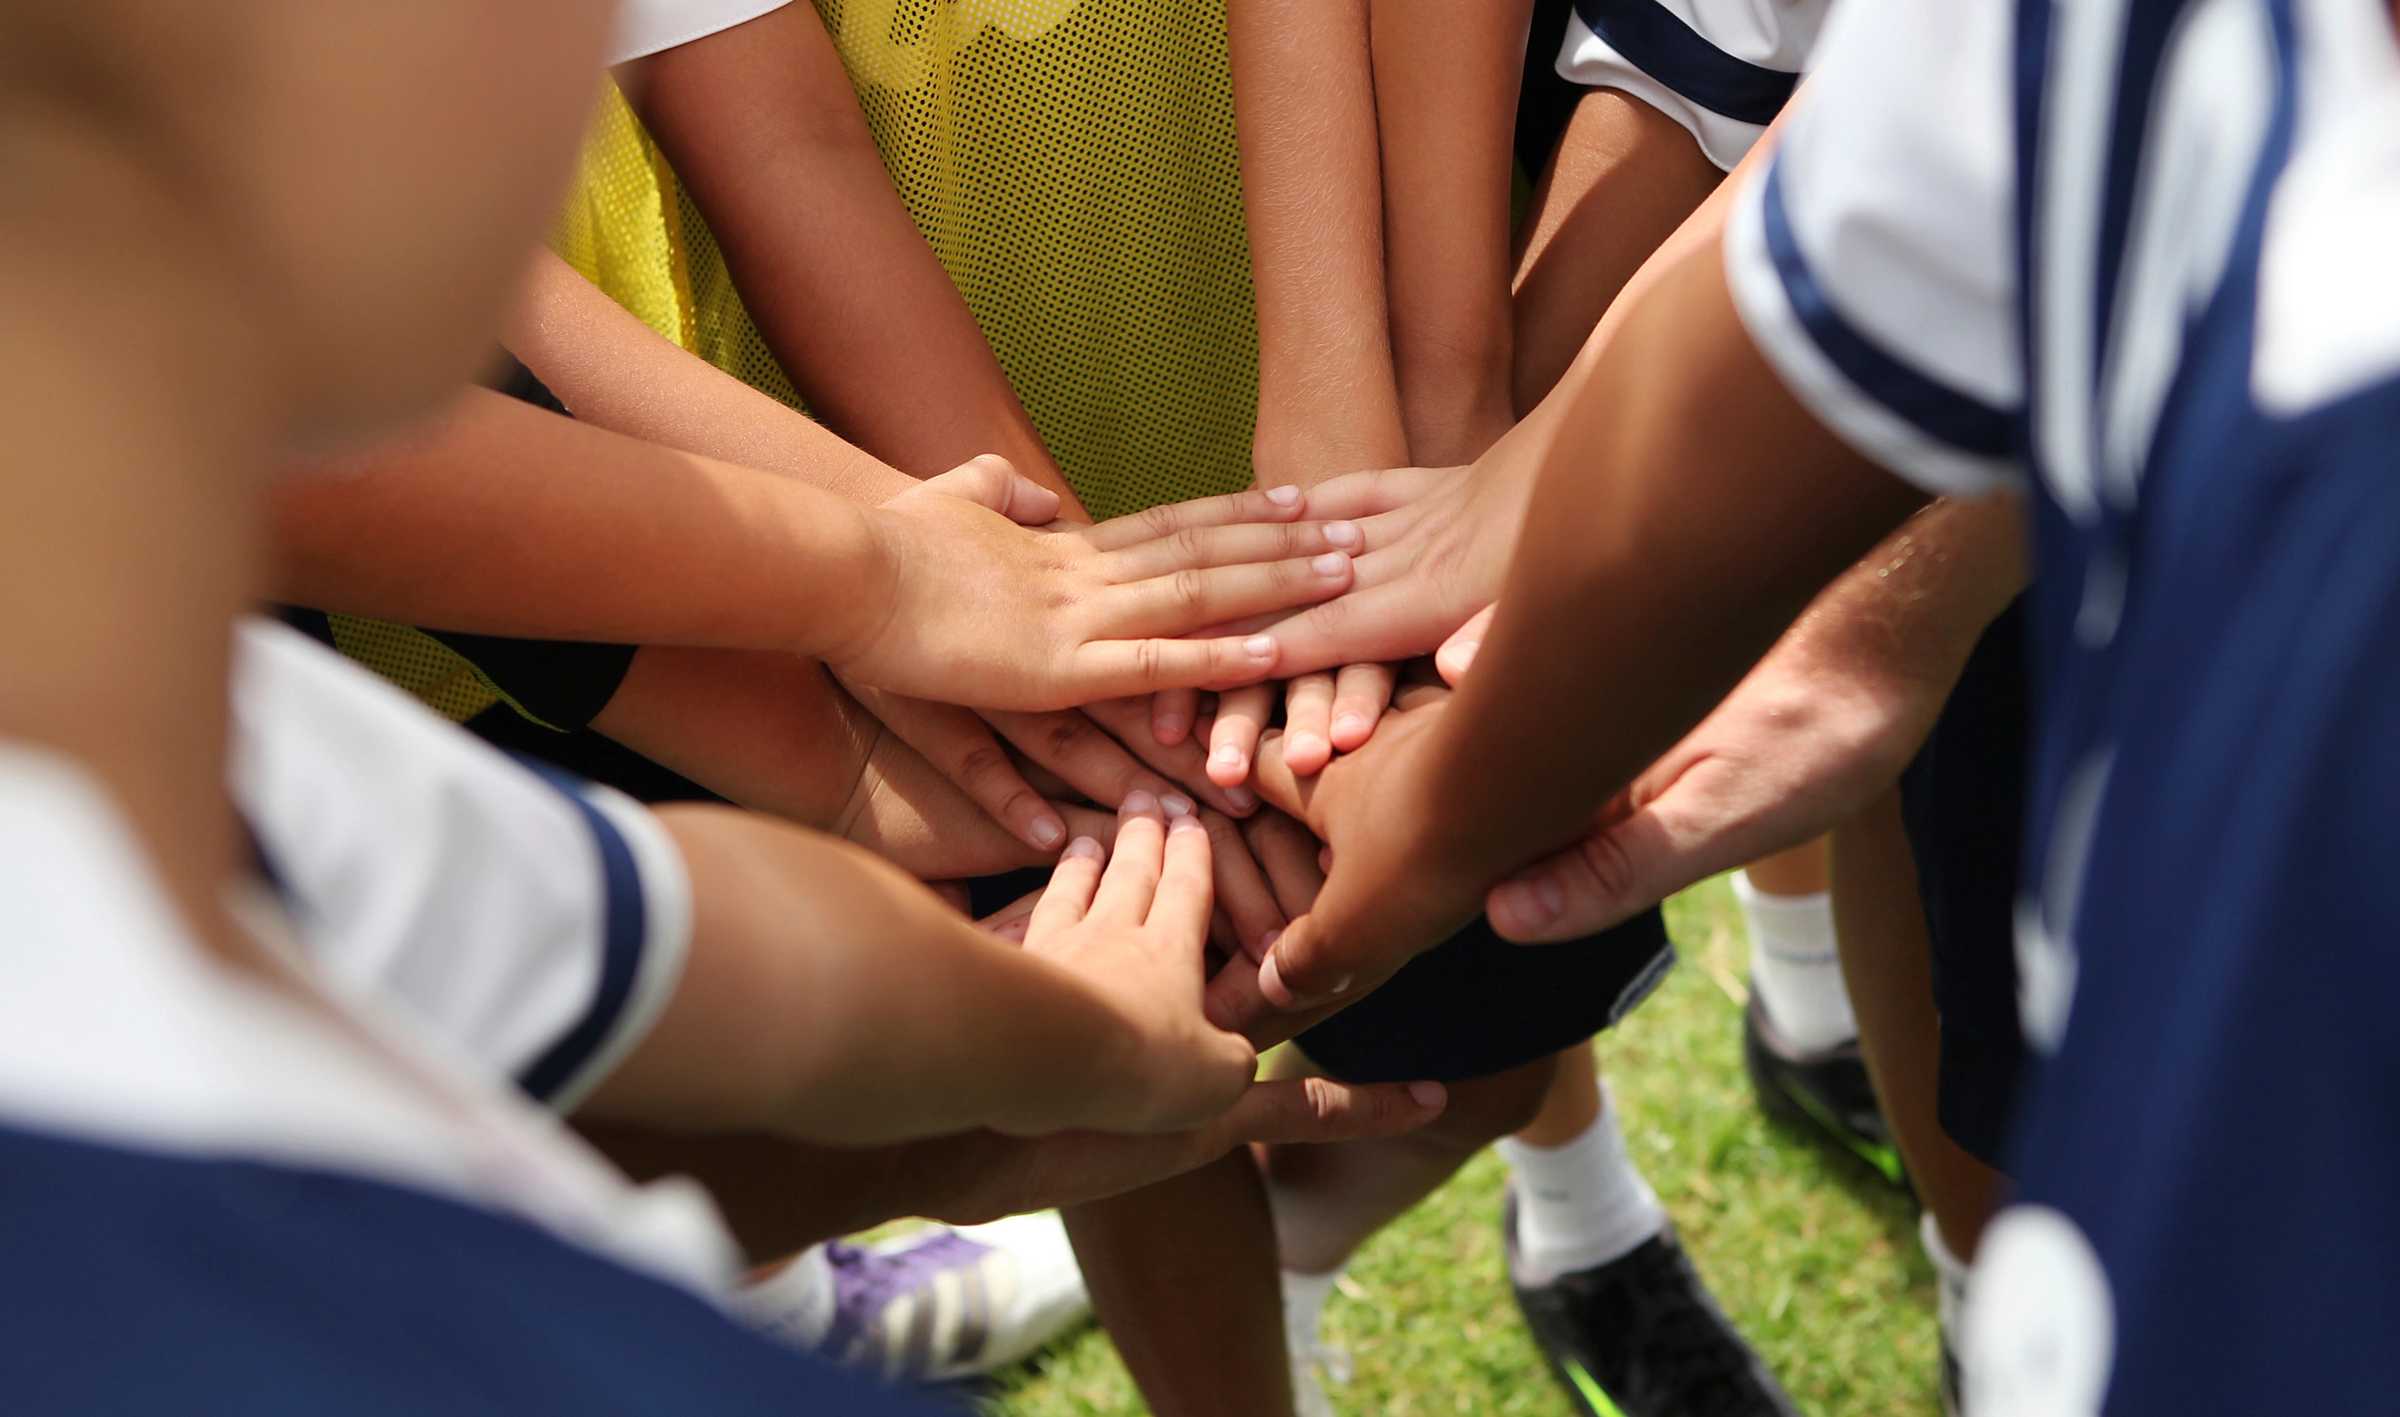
1304	1297
795	1303
1949	1278
1795	968
1579	1205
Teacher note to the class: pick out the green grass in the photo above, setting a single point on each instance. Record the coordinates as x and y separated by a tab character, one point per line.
1813	1256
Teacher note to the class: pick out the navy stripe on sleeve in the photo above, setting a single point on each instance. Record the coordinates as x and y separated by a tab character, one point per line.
1941	412
1657	42
625	918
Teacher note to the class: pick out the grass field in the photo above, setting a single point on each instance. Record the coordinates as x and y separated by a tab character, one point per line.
1813	1256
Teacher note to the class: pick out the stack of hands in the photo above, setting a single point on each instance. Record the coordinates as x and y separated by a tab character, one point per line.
1144	674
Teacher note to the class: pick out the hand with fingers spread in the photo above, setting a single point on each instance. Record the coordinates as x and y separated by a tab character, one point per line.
1135	931
967	606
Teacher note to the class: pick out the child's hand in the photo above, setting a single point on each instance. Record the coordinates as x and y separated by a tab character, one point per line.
1391	891
968	607
1136	933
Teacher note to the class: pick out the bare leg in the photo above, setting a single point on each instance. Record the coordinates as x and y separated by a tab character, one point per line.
1803	870
1183	1276
1886	961
1329	1199
1572	1103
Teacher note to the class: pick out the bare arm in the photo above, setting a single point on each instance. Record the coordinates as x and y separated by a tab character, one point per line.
1312	194
1687	507
828	996
764	130
614	372
1446	79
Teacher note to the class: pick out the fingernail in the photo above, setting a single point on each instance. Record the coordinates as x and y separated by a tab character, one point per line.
1270	983
1342	985
1553	895
1047	831
1186	823
1084	847
1242	798
1427	1094
1325	859
1176	804
1524	901
1462	654
1259	646
1342	534
1303	745
1138	803
1167	725
1284	496
1332	563
1227	756
1349	725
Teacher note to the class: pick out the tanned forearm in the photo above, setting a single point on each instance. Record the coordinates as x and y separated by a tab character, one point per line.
765	132
1312	194
1687	509
830	997
1446	81
502	518
614	372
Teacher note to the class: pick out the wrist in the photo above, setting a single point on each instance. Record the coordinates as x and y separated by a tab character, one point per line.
861	548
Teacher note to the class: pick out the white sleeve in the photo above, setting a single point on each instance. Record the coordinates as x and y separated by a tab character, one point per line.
536	922
648	26
1722	69
1874	260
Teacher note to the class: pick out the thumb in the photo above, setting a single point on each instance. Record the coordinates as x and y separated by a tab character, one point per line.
992	482
1458	651
1621	868
1303	1111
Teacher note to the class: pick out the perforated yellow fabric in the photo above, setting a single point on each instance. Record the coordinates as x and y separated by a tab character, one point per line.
1072	163
417	662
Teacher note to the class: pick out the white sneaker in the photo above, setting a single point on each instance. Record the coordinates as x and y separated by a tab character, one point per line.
939	1305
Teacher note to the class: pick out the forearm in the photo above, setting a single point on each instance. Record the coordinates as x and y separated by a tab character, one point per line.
501	518
1446	81
830	997
771	732
1687	509
1312	196
614	372
766	133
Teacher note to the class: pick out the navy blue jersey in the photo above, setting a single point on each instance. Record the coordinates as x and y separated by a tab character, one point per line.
2143	257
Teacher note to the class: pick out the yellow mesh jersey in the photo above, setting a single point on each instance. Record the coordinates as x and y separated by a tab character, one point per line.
1073	165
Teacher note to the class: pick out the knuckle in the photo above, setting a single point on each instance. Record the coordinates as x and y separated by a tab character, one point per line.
1149	659
1189	544
1067	736
1188	588
1613	871
985	764
1155	521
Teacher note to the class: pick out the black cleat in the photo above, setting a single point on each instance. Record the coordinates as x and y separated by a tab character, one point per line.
1825	1092
1641	1336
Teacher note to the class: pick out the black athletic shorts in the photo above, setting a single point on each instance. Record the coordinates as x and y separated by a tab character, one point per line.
1963	801
1468	1008
1476	1004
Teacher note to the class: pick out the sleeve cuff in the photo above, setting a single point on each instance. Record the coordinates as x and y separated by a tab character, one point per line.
1946	442
646	930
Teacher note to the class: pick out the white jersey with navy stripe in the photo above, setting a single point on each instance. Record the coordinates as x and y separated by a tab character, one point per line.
1721	69
533	920
646	27
2138	255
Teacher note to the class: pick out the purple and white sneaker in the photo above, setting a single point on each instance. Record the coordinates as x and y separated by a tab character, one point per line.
933	1306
